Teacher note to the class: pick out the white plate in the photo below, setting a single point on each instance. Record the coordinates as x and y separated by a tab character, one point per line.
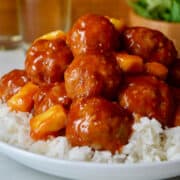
90	171
81	170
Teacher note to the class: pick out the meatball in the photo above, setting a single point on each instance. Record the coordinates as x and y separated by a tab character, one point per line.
11	83
92	34
92	75
98	123
176	94
150	44
49	95
177	116
148	96
174	74
47	60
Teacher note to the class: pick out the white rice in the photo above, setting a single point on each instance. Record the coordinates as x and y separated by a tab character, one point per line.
148	143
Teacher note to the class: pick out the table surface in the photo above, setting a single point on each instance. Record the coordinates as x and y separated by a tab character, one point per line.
10	169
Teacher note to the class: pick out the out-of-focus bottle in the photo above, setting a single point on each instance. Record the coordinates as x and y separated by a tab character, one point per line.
38	17
9	31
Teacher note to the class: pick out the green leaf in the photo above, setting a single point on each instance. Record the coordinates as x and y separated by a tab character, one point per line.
175	13
167	10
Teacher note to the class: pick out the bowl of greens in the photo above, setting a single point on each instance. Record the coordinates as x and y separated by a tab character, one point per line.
163	15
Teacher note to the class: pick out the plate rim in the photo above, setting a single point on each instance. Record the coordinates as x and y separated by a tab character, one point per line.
25	152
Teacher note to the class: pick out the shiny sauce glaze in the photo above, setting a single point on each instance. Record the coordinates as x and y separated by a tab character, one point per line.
148	96
92	34
98	123
11	83
47	60
93	83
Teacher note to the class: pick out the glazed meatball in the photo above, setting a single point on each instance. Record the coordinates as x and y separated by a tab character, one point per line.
98	123
49	95
92	75
177	116
92	34
176	94
47	60
148	96
11	83
174	74
150	44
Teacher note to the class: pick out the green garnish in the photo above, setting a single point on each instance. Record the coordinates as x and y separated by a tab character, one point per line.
166	10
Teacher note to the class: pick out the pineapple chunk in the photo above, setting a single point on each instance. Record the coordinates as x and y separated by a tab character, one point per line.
129	63
119	24
48	123
52	35
23	100
156	69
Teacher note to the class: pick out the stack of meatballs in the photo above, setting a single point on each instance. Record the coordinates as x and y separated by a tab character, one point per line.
105	76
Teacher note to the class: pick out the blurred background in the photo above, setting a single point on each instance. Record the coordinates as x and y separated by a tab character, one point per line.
22	21
114	8
25	20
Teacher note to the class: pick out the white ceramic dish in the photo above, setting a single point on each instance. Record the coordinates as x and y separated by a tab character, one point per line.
89	171
82	170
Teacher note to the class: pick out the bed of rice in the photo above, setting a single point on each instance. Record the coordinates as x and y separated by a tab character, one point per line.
148	143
